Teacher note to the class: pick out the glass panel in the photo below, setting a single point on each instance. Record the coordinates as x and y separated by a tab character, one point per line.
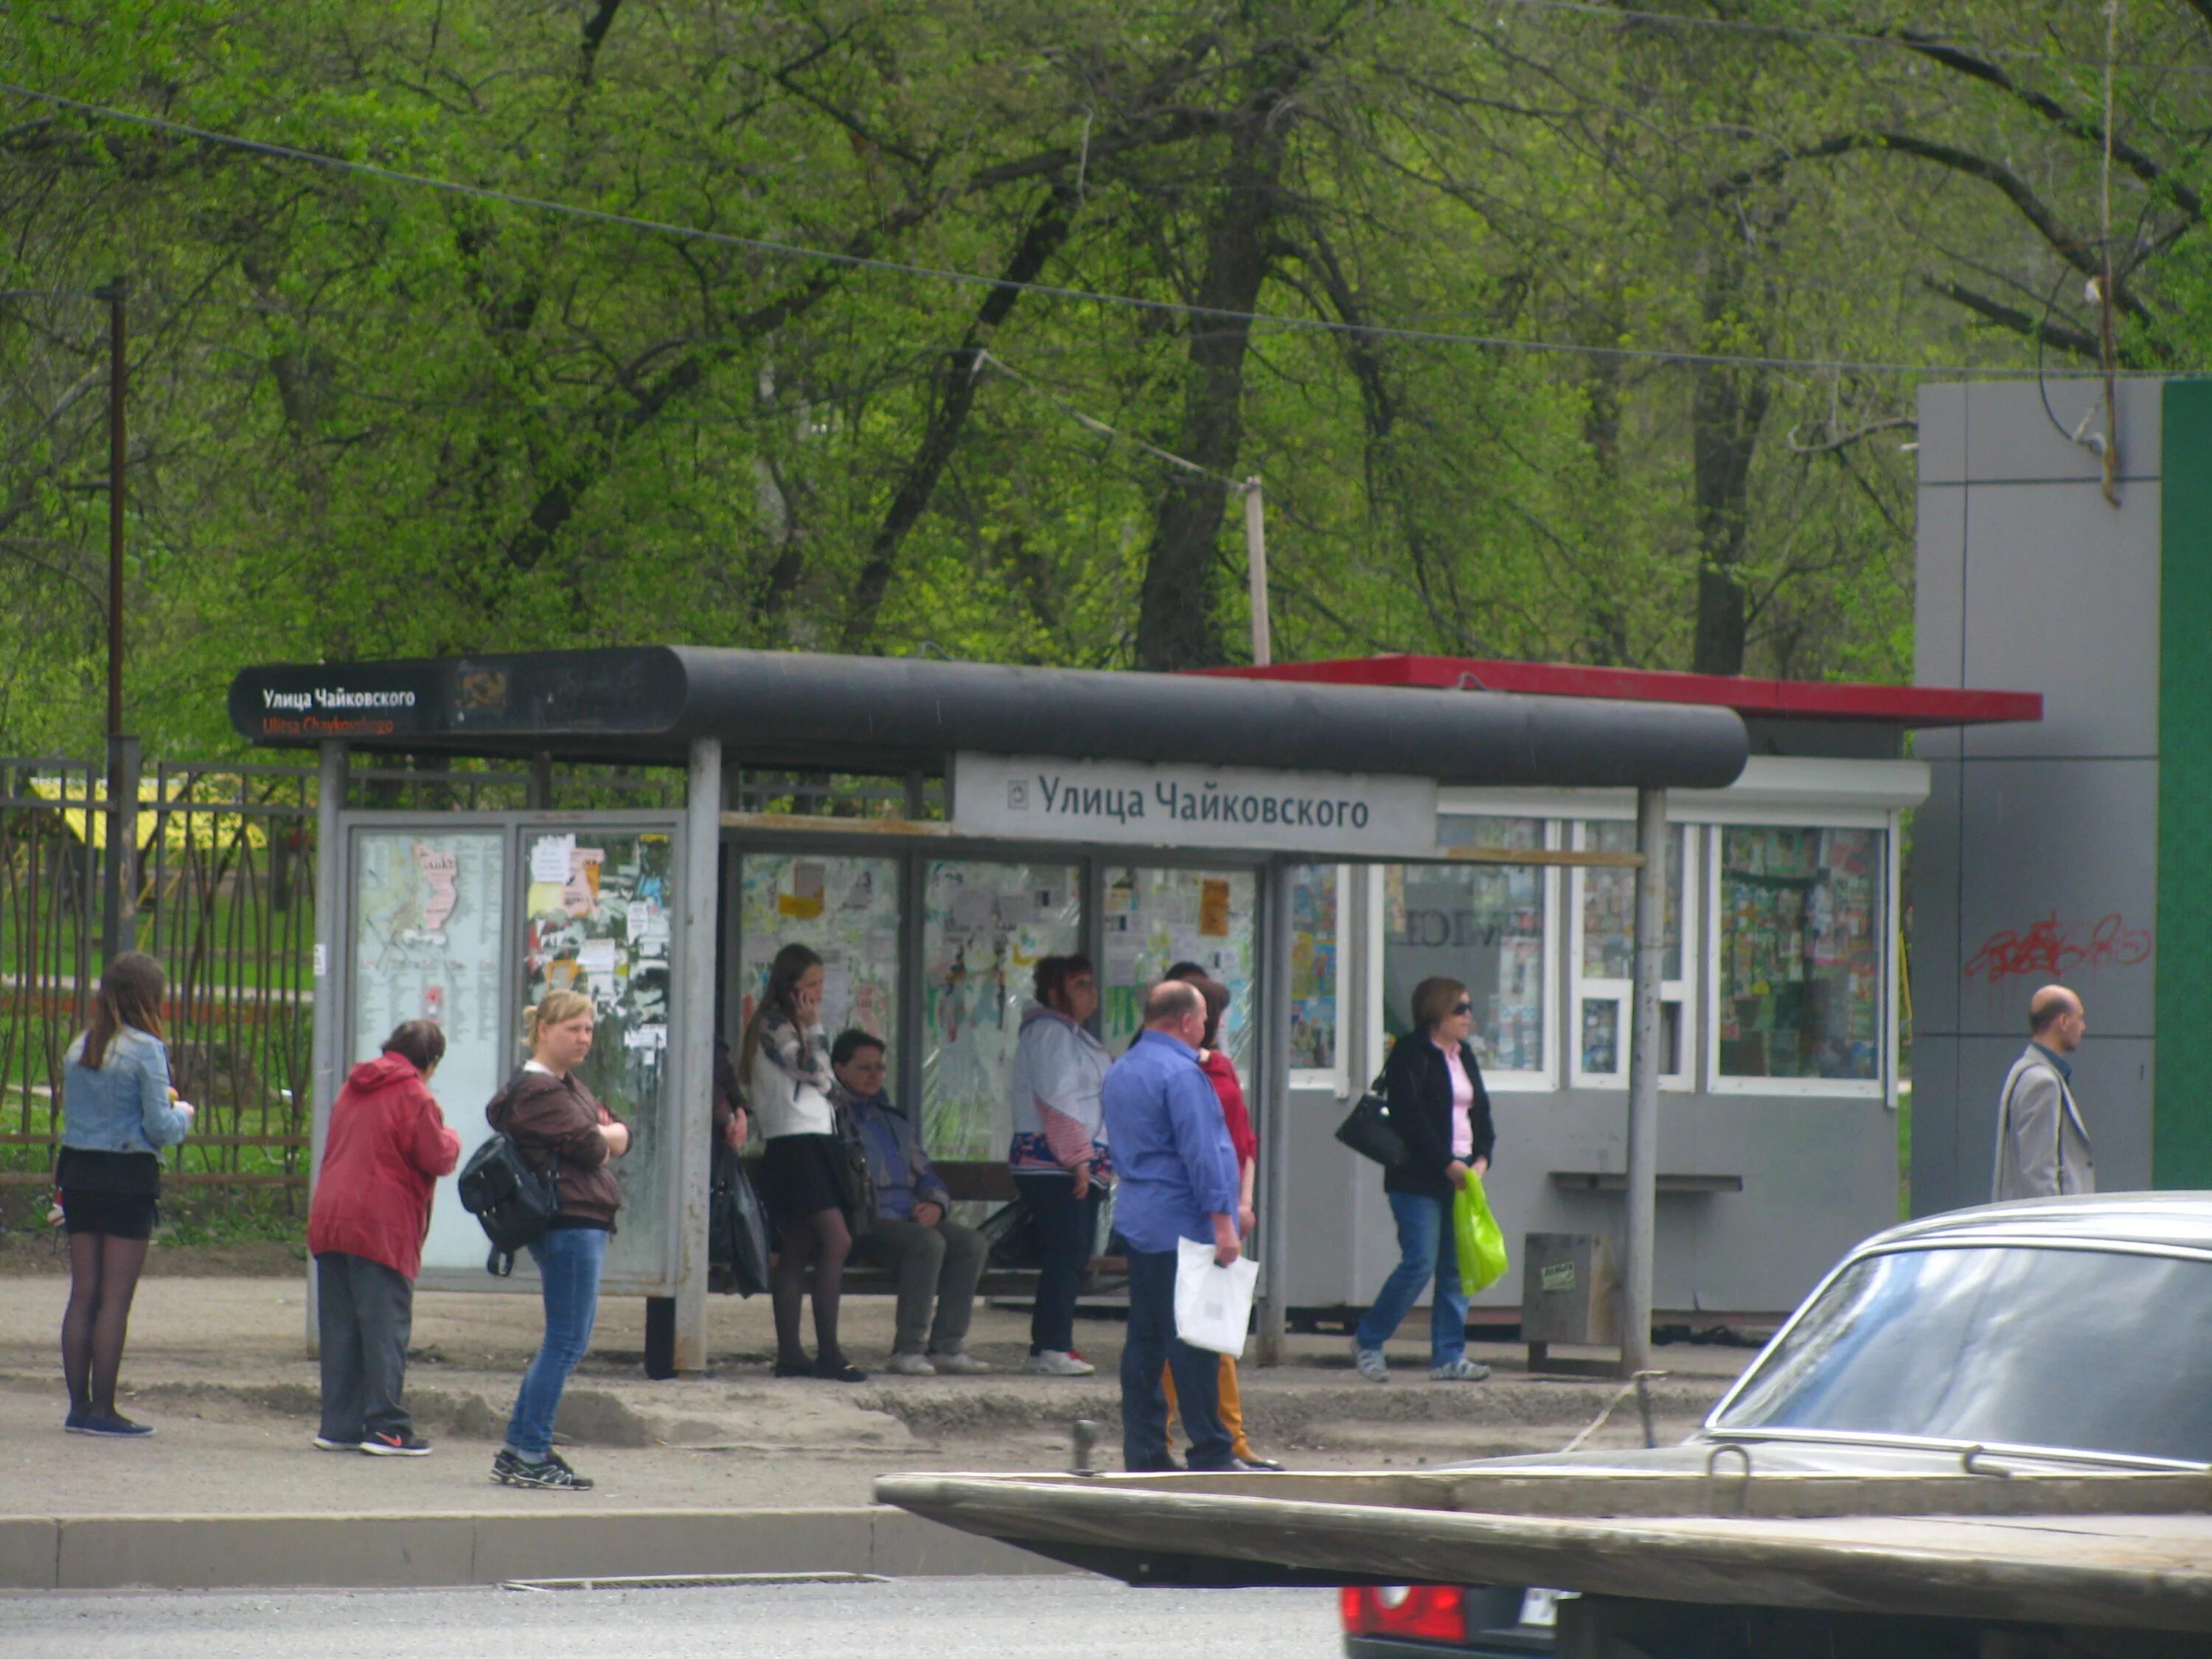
845	910
984	927
1608	931
1957	1344
1155	919
1459	830
604	930
1801	953
1313	967
1482	925
430	929
1600	1036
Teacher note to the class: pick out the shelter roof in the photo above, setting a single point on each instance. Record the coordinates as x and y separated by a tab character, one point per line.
1912	706
644	704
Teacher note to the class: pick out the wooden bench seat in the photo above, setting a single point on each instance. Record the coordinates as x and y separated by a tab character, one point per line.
977	1181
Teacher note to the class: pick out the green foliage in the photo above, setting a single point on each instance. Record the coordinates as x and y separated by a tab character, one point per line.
371	418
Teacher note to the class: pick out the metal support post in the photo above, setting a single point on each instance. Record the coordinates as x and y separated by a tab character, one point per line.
120	931
1644	1083
695	1069
1274	1196
1255	556
326	1058
122	767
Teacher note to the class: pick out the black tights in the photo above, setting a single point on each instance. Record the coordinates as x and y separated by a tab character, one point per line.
823	1239
103	1278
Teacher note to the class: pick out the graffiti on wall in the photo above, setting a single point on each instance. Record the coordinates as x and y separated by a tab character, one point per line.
2051	949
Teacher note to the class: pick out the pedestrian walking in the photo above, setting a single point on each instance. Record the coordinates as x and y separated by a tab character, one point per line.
939	1262
558	1125
2043	1146
1438	1105
117	1113
806	1181
1059	1152
1175	1179
387	1144
1236	1117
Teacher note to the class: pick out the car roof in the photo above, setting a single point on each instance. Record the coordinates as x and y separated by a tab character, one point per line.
2179	1219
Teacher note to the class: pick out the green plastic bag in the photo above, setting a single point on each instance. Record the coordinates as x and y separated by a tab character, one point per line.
1475	1231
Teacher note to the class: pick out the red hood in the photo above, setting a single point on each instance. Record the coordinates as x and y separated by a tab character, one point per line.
385	1071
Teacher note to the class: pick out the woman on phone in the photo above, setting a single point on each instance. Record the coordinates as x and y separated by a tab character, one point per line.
783	1061
557	1123
118	1112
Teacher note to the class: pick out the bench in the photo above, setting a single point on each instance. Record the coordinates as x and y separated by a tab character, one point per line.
992	1183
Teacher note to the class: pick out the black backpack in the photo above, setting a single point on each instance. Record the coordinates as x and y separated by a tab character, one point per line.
514	1201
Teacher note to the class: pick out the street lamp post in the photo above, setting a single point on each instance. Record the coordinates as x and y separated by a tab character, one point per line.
120	889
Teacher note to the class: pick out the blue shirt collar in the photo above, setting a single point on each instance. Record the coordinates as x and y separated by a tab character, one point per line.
1152	1033
2057	1060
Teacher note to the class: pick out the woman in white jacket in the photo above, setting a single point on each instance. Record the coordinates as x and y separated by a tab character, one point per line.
784	1060
1059	1150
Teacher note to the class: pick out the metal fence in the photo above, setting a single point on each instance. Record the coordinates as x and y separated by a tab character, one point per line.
222	864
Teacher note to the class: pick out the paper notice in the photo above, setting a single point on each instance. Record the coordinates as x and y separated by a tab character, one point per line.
552	858
972	906
1122	950
596	957
836	994
1182	943
805	901
635	919
646	1036
1213	909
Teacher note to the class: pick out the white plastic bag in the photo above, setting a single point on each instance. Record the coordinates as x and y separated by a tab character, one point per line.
1213	1304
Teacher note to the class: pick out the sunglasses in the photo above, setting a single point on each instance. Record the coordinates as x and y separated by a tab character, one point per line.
1462	1007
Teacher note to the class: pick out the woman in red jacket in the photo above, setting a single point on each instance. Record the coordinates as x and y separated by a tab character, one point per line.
388	1146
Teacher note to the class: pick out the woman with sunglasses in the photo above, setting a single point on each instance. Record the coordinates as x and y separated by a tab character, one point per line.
1438	1105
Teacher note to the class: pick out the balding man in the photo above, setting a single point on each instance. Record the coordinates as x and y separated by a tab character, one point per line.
1178	1180
2043	1149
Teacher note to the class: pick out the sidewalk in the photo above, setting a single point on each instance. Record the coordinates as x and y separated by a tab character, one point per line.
217	1365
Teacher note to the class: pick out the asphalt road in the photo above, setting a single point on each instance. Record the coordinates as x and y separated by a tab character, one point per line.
966	1618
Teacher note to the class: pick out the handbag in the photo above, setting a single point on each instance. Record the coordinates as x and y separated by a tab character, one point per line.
856	1181
737	1230
1367	1128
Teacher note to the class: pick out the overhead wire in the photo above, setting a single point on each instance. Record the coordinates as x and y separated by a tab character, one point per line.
972	279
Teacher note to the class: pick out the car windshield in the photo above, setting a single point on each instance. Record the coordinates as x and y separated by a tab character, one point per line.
2095	1350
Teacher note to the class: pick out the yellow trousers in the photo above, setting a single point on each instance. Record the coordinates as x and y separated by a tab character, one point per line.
1232	1407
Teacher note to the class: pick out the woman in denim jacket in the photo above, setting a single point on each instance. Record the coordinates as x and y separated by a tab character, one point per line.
118	1112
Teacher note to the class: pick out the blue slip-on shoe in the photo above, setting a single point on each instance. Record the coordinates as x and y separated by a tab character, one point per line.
114	1428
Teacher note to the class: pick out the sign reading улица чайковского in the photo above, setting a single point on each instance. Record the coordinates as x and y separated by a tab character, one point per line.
1018	797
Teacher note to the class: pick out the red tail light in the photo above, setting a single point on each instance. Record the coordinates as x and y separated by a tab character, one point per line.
1436	1612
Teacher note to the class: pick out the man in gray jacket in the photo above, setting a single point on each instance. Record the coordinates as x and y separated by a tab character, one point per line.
2043	1149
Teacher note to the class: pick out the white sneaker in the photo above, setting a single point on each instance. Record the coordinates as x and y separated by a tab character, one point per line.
1370	1364
1461	1369
911	1365
959	1362
1057	1362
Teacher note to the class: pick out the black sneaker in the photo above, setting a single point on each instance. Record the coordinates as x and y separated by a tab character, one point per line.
332	1443
114	1428
548	1474
385	1442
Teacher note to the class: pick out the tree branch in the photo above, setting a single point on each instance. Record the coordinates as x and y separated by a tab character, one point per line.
2017	322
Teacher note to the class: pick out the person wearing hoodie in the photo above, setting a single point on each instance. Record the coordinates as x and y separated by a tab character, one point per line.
558	1124
387	1144
1059	1149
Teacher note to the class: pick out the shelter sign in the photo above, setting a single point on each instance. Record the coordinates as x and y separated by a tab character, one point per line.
1033	798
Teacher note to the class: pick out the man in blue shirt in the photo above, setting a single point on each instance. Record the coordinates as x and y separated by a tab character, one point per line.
1177	1180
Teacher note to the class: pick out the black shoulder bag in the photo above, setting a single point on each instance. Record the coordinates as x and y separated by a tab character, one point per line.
1367	1128
512	1200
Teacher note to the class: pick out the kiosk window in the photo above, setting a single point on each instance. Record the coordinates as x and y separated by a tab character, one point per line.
1314	889
984	927
1799	950
1485	925
1156	918
846	910
1605	959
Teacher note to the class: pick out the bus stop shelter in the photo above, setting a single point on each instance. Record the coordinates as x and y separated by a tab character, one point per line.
1138	817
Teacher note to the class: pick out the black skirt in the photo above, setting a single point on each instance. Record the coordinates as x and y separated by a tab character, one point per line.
802	1176
118	1215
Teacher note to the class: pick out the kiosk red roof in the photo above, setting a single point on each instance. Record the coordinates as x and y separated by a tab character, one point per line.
1917	706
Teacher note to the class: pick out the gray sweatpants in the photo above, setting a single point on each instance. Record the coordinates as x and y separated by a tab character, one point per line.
941	1264
365	1312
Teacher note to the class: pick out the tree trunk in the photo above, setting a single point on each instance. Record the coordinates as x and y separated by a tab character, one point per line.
1727	408
1175	625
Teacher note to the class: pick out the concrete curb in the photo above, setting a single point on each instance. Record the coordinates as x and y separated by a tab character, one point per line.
433	1551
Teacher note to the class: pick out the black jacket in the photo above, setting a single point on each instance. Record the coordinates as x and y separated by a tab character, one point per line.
1417	1082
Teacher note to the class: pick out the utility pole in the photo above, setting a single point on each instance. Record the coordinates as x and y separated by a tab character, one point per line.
1256	556
120	893
1644	1034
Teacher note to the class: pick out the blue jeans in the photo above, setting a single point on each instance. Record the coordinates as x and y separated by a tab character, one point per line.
569	1262
1426	1250
1068	1228
1151	1343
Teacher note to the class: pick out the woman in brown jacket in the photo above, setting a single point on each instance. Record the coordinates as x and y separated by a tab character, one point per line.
556	1123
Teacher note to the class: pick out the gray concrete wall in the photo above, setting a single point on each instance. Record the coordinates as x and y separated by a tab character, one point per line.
2035	855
